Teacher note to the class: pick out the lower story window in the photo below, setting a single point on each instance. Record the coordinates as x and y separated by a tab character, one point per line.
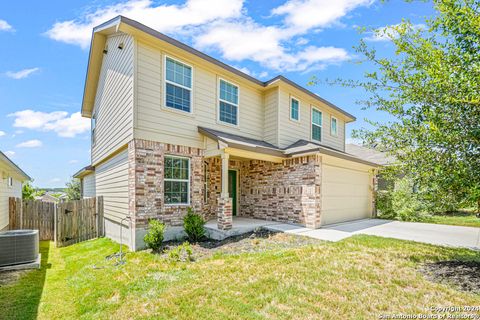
177	180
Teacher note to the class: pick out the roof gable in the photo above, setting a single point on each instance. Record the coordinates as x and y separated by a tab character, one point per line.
9	163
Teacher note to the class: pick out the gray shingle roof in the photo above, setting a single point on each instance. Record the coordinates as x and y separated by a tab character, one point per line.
369	154
298	148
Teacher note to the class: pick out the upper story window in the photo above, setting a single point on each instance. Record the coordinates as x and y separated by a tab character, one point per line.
177	180
294	109
316	124
334	126
10	182
178	85
93	125
228	102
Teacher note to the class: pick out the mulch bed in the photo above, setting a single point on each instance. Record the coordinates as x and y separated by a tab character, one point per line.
464	275
256	241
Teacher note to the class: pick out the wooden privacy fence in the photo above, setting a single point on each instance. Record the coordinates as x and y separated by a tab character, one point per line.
33	214
66	223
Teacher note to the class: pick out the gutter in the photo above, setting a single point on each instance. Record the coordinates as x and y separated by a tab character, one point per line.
84	172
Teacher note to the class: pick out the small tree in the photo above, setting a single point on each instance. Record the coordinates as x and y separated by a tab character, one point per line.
430	89
28	192
73	189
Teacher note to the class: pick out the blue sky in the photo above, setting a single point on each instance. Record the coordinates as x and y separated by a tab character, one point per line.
45	49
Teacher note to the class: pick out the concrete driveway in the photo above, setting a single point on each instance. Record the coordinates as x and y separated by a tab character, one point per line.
437	234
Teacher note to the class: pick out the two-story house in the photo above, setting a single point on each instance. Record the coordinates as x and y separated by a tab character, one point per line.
174	128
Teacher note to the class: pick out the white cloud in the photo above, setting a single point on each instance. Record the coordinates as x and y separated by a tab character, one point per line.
60	122
224	26
73	161
5	26
303	15
389	33
269	46
2	133
21	74
30	144
9	153
165	18
55	180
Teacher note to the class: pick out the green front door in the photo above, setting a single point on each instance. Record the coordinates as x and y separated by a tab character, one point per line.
232	189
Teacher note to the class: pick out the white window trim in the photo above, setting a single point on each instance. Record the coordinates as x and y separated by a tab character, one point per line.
331	131
221	100
314	124
10	182
93	129
165	81
178	180
290	109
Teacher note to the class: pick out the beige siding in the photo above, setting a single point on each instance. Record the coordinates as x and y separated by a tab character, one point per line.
88	186
111	179
270	130
5	193
156	122
291	131
114	100
346	192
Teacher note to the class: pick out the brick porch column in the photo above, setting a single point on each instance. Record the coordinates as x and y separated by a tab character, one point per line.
224	213
224	203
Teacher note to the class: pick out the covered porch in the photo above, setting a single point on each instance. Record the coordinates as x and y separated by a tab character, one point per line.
251	184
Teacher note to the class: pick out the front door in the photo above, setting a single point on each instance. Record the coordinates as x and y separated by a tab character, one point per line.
232	189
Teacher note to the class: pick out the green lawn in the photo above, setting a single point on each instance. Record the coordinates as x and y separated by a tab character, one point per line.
460	218
358	278
466	219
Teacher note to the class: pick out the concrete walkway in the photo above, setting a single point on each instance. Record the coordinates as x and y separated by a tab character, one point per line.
437	234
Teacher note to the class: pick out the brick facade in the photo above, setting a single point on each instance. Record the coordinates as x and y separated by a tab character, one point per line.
146	196
285	192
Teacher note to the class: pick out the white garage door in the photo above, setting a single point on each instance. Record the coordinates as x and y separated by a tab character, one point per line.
346	194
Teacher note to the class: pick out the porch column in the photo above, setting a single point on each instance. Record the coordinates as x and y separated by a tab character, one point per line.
225	158
224	203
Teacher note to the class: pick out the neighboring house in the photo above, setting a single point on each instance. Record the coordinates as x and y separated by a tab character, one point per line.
52	197
87	181
174	128
11	181
369	154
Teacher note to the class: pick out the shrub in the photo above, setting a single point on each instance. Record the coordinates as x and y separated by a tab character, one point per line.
154	238
183	253
193	224
401	203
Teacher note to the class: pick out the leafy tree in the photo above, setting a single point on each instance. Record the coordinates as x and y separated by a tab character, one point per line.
28	192
73	189
431	88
